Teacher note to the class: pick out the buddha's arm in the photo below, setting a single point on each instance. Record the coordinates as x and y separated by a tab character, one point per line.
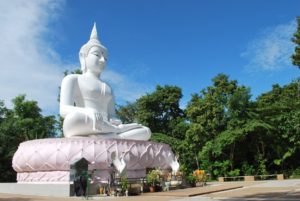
112	112
117	122
67	96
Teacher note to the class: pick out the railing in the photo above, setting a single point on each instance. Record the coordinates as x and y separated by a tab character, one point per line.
253	178
265	177
236	178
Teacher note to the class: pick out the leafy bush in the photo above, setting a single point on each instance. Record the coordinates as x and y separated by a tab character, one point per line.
153	177
234	173
295	174
191	179
124	183
247	169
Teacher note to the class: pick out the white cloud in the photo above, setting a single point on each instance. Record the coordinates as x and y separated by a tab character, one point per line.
272	50
30	65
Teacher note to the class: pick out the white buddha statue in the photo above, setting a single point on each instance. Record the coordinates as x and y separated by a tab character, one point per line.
87	103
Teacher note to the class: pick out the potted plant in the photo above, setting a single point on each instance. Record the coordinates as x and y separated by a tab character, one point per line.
191	179
101	189
200	177
153	179
124	185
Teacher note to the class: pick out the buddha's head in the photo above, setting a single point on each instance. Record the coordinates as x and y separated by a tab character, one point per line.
93	54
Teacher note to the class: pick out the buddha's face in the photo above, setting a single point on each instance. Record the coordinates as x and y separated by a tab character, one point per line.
96	59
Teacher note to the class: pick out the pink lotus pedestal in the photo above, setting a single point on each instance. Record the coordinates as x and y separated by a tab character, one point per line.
48	160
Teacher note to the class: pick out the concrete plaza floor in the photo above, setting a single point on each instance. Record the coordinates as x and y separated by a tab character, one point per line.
288	190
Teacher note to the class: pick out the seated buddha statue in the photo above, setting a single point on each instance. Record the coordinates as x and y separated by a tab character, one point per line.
87	103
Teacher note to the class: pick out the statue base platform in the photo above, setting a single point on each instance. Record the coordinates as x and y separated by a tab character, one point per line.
49	160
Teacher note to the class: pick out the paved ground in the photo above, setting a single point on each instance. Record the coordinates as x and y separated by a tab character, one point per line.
271	190
287	190
190	192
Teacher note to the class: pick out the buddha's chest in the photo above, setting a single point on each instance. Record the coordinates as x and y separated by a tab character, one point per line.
94	90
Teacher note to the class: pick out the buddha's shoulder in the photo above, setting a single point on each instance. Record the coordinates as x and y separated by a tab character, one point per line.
72	78
106	87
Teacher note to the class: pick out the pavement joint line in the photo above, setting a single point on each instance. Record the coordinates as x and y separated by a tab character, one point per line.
231	190
215	191
192	194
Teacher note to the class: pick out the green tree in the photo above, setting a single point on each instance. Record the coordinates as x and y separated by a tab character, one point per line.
222	130
163	138
280	108
127	113
207	113
296	40
160	111
225	127
23	122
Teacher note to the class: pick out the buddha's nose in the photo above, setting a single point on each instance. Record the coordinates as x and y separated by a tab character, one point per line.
102	59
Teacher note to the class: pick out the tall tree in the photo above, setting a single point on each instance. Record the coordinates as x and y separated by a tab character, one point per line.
127	113
222	130
222	119
23	122
207	113
296	40
280	108
161	112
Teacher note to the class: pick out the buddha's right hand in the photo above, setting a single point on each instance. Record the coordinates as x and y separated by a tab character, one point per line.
115	121
100	124
95	117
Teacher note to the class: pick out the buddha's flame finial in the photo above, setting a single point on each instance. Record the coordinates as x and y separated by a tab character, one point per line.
94	32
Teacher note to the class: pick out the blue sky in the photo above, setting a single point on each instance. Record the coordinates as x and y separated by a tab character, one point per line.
175	42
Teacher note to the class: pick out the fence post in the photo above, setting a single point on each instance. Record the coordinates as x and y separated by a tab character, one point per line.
221	179
249	178
280	177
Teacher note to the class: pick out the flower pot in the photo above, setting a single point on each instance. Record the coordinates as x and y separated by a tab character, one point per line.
152	189
101	190
174	183
193	184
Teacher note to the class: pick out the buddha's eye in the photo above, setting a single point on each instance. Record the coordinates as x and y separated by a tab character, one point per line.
96	54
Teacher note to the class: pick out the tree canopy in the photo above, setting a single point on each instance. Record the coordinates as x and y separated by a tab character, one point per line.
222	130
296	40
21	123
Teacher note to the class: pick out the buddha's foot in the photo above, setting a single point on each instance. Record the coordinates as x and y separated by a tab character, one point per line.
128	127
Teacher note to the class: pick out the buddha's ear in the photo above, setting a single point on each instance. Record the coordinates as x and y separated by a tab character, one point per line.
82	62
